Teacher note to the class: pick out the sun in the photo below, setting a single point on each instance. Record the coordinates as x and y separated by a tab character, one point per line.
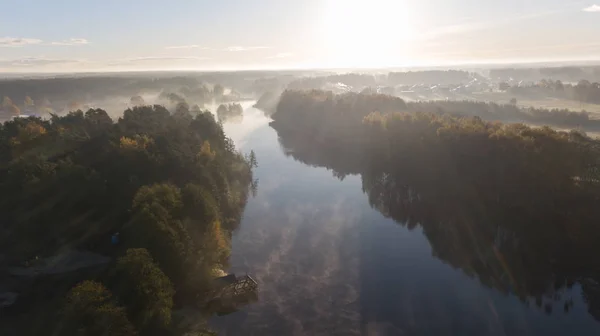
367	32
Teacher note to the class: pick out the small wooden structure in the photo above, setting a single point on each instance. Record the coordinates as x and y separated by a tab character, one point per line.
231	292
230	286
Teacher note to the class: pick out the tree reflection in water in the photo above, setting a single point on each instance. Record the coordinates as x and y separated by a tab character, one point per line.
515	207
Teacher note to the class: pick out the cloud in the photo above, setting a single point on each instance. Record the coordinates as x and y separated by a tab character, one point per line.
71	42
17	41
191	46
155	59
20	42
469	26
238	48
506	53
281	55
592	9
166	58
36	61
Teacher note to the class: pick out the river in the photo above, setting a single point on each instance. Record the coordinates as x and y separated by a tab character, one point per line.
329	264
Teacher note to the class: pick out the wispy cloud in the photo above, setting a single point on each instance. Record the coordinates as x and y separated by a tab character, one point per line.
554	49
191	46
36	61
592	9
71	42
239	48
17	41
165	58
281	55
232	48
469	26
20	42
155	59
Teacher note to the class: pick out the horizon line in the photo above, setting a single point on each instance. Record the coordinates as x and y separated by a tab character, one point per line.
489	64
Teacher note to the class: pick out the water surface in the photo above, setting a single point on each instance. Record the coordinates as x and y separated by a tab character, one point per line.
329	264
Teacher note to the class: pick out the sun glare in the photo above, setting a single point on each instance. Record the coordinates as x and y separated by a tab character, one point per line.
367	32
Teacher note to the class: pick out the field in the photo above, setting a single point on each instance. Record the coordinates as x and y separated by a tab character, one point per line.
539	102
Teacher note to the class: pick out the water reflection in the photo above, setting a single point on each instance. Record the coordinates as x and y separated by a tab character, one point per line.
327	263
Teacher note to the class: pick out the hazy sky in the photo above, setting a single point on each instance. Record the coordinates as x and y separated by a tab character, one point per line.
78	35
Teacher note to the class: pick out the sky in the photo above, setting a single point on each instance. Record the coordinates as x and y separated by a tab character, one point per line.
119	35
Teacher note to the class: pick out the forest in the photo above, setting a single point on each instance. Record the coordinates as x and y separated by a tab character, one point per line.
355	106
158	193
584	91
60	95
510	205
431	77
562	73
229	111
267	102
510	113
351	79
200	95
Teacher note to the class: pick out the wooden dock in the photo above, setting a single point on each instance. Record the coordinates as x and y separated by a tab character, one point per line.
233	287
231	292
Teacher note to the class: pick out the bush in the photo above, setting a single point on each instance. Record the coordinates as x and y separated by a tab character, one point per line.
145	290
91	310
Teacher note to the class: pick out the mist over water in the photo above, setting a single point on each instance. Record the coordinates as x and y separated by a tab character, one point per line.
239	130
317	167
328	264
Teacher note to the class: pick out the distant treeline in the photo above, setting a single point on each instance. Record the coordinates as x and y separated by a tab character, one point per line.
81	88
61	95
312	111
350	79
268	102
565	74
509	113
432	77
228	111
583	91
360	81
354	106
172	186
510	205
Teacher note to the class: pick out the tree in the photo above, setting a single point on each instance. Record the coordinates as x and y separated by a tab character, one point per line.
222	110
252	159
6	102
74	105
200	205
137	101
156	226
13	110
144	289
503	86
582	89
173	98
513	101
31	131
166	195
227	111
206	153
195	109
45	103
559	86
182	110
84	177
28	101
218	91
98	120
91	310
